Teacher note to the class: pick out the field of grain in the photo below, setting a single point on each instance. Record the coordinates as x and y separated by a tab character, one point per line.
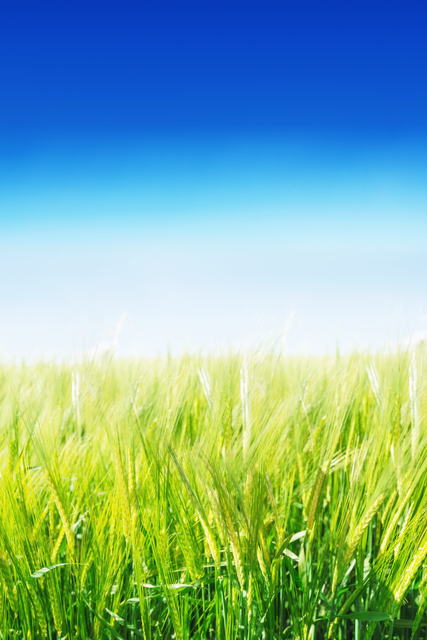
228	497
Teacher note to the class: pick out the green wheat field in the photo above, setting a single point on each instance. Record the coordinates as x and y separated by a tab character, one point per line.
231	497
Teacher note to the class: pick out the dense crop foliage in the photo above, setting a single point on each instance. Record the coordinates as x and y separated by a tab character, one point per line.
237	497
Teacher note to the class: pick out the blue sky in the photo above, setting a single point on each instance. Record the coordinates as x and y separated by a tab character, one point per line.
208	172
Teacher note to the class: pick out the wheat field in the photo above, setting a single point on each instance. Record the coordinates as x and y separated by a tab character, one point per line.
231	497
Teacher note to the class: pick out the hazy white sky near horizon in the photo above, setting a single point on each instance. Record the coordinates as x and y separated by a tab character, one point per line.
203	246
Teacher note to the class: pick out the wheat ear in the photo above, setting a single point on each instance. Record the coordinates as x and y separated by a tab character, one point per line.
41	618
132	485
410	573
10	586
358	533
62	514
302	481
388	506
126	510
361	528
85	571
262	564
57	545
235	548
12	454
55	604
250	597
315	499
390	528
212	543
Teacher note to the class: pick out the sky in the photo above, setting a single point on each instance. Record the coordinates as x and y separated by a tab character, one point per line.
209	176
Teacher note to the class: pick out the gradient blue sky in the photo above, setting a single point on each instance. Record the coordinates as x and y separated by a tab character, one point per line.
209	170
